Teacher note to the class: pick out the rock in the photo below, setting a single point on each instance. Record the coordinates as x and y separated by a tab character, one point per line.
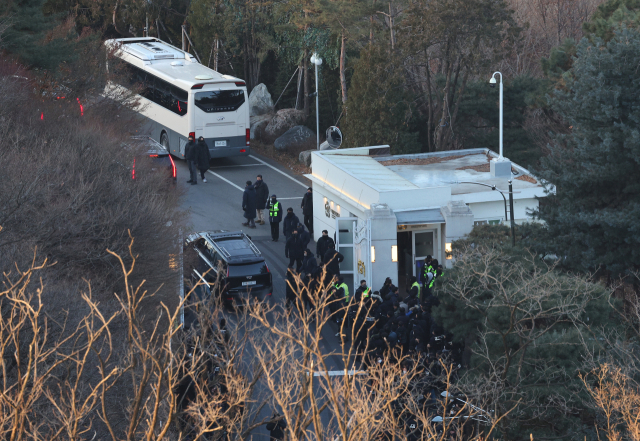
295	136
282	121
260	101
305	157
258	124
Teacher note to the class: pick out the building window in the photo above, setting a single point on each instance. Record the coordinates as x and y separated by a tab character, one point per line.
485	222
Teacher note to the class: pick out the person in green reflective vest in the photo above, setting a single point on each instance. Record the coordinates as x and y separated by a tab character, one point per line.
341	307
426	269
275	217
414	292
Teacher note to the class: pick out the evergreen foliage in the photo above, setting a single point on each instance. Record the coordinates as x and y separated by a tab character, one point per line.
593	214
379	109
527	328
479	118
27	35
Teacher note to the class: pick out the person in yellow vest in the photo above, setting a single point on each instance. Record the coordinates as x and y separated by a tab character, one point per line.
275	217
341	300
414	291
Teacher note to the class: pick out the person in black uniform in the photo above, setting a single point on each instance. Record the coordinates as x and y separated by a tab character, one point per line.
276	427
307	209
190	157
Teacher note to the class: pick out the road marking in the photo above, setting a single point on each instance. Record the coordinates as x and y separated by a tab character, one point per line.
279	171
237	165
226	180
338	373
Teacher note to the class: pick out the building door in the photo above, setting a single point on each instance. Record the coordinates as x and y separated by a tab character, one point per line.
423	246
345	245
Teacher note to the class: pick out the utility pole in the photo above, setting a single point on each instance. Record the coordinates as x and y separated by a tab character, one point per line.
184	43
146	28
513	223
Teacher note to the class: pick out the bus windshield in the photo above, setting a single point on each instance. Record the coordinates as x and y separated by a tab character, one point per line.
219	100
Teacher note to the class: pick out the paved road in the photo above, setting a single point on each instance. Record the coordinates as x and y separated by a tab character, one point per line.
217	205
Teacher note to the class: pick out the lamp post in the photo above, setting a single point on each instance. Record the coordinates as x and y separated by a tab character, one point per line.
492	83
315	59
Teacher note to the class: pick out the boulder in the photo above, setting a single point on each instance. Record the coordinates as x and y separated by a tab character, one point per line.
260	101
282	121
305	157
295	136
258	124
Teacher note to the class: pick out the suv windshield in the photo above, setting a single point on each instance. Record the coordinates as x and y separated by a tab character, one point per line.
250	269
219	100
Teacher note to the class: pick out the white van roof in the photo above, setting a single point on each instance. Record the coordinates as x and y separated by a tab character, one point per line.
174	64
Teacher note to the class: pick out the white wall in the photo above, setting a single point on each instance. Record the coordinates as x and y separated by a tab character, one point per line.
495	209
418	198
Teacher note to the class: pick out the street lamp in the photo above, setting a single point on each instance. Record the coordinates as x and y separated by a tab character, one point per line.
315	59
492	83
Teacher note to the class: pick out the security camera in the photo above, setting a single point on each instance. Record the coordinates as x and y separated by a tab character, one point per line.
492	82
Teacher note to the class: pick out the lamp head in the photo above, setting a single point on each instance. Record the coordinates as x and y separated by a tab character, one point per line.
437	419
492	82
315	59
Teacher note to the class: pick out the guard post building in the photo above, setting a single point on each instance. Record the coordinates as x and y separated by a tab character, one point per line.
387	213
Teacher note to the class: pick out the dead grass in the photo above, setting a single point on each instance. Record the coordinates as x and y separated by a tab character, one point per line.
527	178
421	161
288	158
479	168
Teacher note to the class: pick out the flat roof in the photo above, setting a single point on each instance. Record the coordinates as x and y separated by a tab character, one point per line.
457	169
373	173
453	169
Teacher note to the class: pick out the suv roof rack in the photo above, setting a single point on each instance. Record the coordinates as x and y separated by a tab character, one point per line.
216	239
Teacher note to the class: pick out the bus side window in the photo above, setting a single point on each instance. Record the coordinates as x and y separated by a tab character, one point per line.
162	93
179	100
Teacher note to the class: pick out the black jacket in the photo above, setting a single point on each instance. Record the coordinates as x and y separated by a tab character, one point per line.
278	217
309	264
276	429
190	151
305	237
291	221
332	260
294	247
249	202
307	204
202	155
262	194
323	245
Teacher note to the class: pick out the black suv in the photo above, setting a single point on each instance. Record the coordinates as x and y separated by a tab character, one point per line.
233	259
152	156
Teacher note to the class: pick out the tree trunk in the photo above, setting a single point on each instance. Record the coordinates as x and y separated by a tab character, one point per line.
305	64
115	22
343	77
391	26
430	109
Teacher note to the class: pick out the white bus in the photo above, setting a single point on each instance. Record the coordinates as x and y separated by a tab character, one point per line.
181	97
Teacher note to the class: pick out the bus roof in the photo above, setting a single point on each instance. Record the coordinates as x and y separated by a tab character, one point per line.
172	63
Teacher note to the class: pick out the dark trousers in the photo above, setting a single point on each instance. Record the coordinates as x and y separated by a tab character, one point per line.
308	222
193	171
202	172
298	262
275	230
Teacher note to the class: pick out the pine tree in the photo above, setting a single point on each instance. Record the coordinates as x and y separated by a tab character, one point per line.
593	215
380	110
27	32
528	330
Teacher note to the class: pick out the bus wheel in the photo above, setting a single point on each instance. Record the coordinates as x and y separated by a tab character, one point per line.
164	140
